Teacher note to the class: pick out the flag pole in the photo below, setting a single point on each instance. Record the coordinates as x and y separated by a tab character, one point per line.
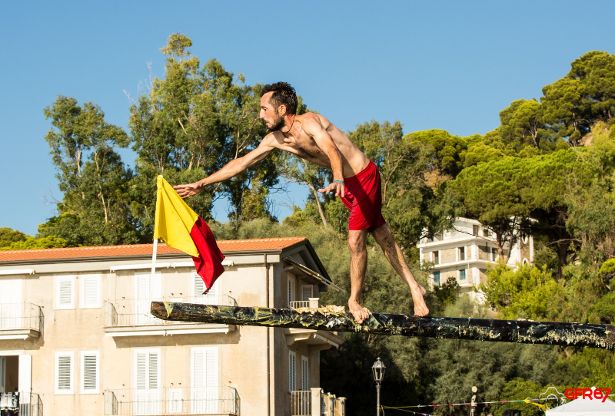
154	252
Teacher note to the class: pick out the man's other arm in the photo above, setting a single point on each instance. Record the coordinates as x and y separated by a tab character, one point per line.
327	145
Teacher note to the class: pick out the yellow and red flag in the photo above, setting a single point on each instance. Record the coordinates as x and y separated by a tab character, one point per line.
182	228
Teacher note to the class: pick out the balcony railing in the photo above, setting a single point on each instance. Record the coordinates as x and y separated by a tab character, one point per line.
132	313
172	401
23	316
312	303
315	402
22	404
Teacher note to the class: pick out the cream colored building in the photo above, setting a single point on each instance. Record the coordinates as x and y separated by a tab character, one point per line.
466	251
77	338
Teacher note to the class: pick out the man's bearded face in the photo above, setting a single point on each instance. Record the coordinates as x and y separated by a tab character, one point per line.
276	124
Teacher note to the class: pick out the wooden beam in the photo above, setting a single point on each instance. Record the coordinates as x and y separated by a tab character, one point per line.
526	332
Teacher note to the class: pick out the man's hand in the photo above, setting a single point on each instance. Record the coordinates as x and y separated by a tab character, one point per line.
189	189
337	187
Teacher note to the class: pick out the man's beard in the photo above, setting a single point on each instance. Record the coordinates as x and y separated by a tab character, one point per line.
277	125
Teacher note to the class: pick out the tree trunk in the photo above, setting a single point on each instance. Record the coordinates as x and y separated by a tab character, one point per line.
527	332
319	205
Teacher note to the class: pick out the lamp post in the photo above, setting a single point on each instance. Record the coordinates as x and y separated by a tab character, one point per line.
378	372
473	400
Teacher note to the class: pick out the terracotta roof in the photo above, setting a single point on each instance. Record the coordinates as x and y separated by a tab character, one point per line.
138	250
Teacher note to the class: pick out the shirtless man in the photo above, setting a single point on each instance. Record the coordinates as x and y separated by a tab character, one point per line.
356	181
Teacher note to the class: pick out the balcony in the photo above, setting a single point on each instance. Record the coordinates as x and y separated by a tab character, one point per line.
172	401
127	317
22	404
321	339
314	402
20	321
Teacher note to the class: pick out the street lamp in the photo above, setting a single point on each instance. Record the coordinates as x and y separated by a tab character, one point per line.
473	400
378	371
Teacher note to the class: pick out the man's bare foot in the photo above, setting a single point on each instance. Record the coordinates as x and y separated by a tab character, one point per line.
420	307
359	313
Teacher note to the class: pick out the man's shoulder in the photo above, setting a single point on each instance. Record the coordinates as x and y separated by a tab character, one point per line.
272	138
314	120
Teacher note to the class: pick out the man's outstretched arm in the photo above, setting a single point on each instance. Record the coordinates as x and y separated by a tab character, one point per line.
232	168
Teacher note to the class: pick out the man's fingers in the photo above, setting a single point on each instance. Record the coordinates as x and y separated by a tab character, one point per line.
184	190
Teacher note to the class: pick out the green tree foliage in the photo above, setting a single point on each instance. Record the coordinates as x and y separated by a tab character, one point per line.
96	205
9	236
528	293
521	125
192	123
571	105
16	240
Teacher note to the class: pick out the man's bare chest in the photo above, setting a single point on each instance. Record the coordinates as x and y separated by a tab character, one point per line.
301	144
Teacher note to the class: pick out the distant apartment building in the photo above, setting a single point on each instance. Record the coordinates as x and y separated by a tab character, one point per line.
77	338
466	251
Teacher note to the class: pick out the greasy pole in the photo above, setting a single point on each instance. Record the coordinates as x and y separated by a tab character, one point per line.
526	332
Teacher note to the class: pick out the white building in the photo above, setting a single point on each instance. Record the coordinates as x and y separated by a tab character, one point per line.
466	251
77	338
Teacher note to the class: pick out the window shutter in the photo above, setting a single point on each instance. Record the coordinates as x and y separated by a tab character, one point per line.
211	298
65	292
147	288
204	368
153	371
2	373
64	373
204	391
291	289
89	372
141	370
147	369
292	371
90	292
305	373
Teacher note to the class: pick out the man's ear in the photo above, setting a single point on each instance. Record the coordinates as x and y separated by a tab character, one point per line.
282	110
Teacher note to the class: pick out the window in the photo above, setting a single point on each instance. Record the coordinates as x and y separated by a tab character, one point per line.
147	289
291	289
307	292
211	298
436	278
64	373
486	232
146	372
65	292
494	254
89	372
462	275
90	292
292	371
305	373
435	257
204	382
2	373
461	253
475	230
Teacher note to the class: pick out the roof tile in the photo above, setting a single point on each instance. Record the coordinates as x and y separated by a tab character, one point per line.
135	250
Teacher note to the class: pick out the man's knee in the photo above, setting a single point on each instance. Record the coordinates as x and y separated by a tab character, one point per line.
382	233
356	242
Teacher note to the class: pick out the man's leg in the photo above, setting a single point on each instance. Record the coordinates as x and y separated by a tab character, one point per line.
393	253
358	267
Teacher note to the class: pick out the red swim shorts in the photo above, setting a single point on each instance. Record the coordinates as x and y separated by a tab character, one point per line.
362	196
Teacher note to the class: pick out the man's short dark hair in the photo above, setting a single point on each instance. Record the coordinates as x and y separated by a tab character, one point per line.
283	93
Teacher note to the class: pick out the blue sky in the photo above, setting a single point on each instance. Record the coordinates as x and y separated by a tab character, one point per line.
439	64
